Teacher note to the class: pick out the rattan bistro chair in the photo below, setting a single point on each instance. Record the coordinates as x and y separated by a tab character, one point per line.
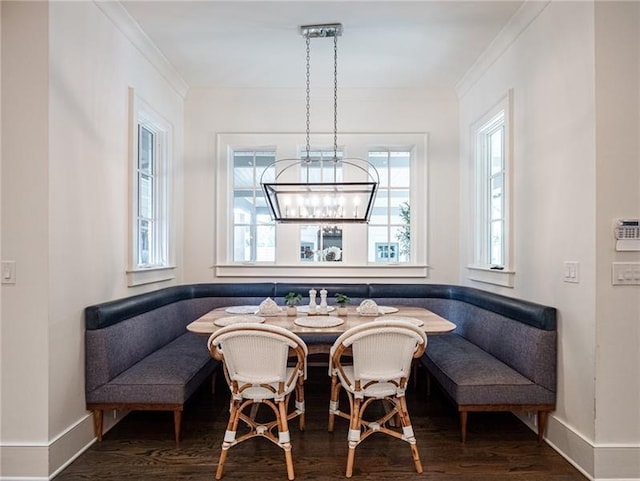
382	354
255	359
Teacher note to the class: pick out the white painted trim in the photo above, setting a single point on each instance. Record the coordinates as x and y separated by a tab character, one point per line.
25	478
20	460
526	14
554	425
124	22
148	276
596	461
505	278
390	271
617	462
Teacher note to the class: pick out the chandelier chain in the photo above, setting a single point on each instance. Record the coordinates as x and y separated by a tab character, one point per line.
308	99
328	199
335	98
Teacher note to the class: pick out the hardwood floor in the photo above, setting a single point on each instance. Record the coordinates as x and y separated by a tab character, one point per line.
498	447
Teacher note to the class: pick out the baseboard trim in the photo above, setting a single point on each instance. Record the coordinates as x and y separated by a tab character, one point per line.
44	461
597	462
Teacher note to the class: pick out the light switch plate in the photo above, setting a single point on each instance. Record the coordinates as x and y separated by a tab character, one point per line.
572	271
8	272
625	273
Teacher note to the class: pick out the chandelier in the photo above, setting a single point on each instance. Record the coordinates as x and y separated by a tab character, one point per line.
305	190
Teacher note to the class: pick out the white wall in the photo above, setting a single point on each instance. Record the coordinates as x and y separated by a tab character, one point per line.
563	208
209	112
617	423
71	244
25	218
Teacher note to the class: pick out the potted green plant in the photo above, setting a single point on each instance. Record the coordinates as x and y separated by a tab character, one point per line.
292	299
342	300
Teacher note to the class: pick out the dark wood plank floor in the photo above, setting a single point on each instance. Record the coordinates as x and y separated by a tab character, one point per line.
499	446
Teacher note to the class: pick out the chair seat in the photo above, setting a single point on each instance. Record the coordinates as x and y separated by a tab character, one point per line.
377	390
260	393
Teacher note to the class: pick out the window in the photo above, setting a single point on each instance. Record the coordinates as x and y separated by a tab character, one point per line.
321	243
249	243
491	172
150	238
253	229
492	190
150	158
390	226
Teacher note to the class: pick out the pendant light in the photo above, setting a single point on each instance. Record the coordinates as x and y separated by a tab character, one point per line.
305	190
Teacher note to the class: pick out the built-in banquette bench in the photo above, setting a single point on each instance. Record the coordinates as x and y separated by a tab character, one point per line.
502	355
139	354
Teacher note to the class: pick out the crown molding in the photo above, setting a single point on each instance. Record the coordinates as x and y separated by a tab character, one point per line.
517	24
124	22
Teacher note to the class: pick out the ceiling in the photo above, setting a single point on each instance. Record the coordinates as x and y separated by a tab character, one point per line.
385	44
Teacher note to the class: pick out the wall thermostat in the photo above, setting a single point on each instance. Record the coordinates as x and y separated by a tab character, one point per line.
627	232
628	229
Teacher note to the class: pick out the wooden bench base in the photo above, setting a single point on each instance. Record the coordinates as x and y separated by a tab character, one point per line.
542	411
99	409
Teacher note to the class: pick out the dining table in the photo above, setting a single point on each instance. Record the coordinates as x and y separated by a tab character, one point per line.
319	330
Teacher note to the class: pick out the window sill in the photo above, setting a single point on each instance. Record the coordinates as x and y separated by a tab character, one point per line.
324	270
503	278
139	277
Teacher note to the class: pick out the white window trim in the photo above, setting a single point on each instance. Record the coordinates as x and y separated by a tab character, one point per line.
389	189
477	271
141	112
287	262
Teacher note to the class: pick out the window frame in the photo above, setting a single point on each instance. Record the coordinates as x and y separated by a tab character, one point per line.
389	188
142	115
287	261
481	268
254	225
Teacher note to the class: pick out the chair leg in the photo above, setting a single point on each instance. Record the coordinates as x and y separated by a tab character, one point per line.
333	402
98	415
463	425
407	430
283	436
300	403
223	458
354	435
229	435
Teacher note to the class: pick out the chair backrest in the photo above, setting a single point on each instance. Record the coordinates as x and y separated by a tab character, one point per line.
258	353
382	350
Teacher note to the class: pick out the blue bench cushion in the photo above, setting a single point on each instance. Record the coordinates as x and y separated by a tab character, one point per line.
167	376
473	376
